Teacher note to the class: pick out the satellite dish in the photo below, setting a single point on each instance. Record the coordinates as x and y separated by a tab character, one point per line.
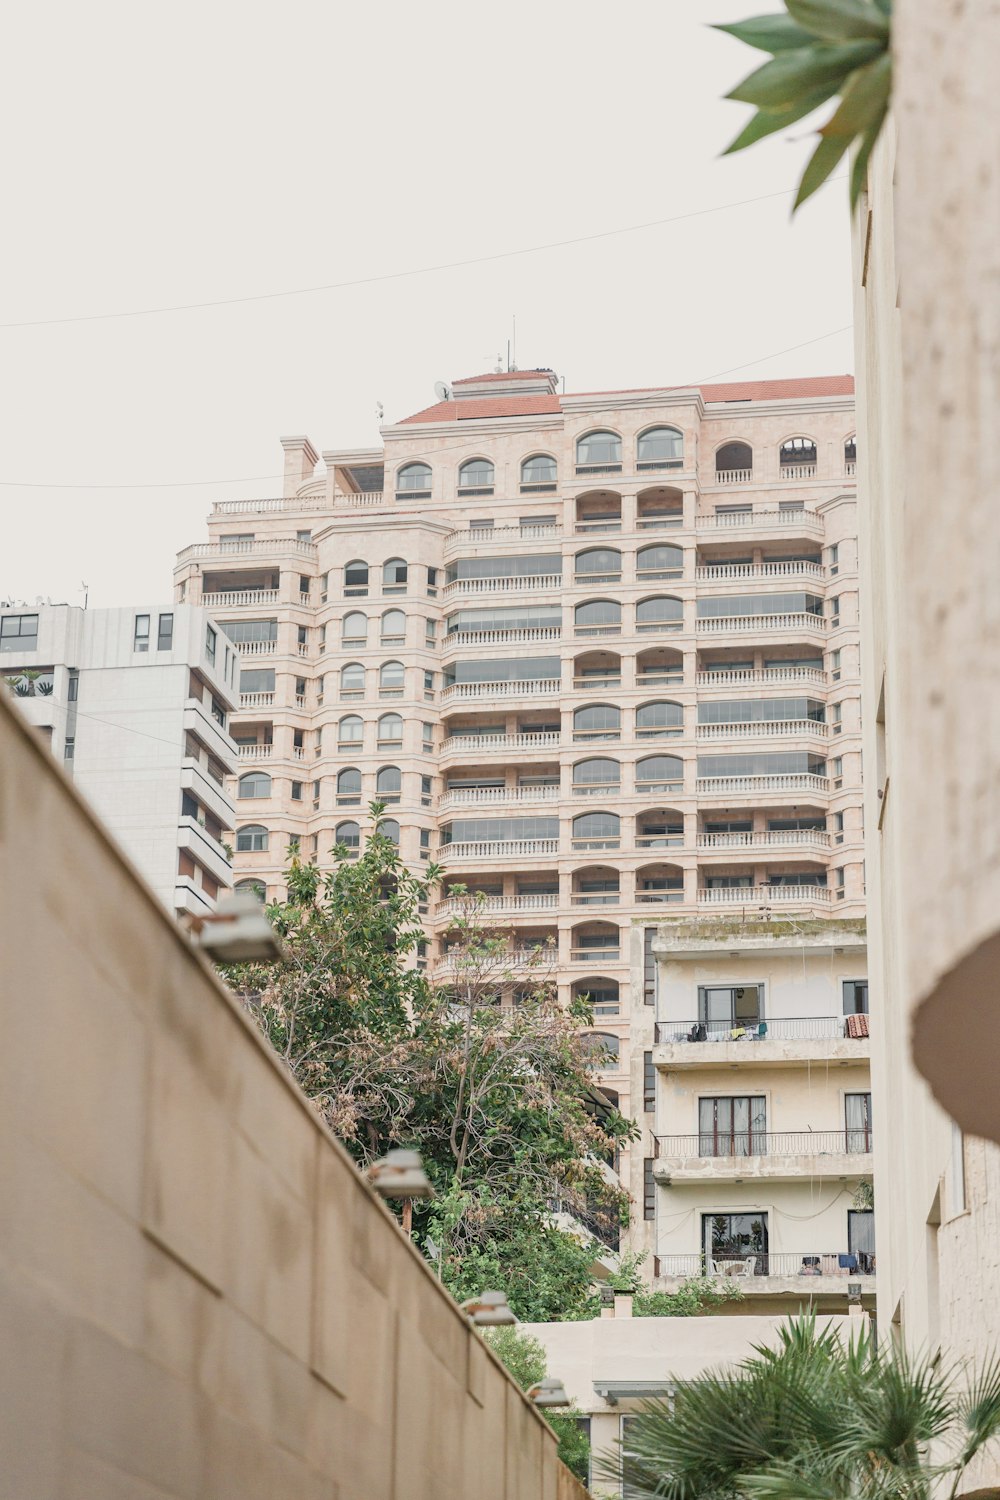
442	390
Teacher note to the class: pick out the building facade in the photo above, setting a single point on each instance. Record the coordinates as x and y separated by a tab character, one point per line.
597	653
135	703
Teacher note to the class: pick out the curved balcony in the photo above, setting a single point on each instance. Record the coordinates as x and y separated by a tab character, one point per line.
534	687
752	572
798	521
766	895
761	677
758	624
270	547
458	906
783	839
498	849
518	637
504	535
529	583
491	744
495	796
793	781
762	729
240	599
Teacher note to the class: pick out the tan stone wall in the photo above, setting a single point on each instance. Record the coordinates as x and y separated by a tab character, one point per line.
199	1295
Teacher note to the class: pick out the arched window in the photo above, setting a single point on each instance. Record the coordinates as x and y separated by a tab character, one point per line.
659	721
349	786
389	784
661	448
390	730
598	565
394	576
798	453
354	628
851	451
596	777
598	721
659	562
734	463
602	1048
356	578
538	472
352	680
251	887
475	477
348	834
600	992
252	838
350	730
393	626
254	784
598	452
598	830
663	612
414	481
389	829
391	676
659	773
598	617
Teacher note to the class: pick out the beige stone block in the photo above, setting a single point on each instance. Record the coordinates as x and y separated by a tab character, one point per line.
260	1383
371	1346
182	1319
33	1337
483	1451
282	1130
269	1250
86	1477
374	1252
339	1203
243	1464
524	1448
331	1428
478	1360
430	1412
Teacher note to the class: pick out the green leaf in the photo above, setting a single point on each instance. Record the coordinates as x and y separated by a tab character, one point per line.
821	164
766	121
840	20
863	99
860	167
885	6
786	78
769	33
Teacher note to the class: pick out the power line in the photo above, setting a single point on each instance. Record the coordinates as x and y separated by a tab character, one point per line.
451	265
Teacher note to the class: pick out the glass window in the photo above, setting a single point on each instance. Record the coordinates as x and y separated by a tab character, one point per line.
355	627
599	827
763	763
20	633
73	692
432	578
539	469
761	711
514	617
352	680
660	447
348	834
356	578
476	830
660	562
734	1125
476	473
349	784
257	887
659	720
664	611
140	639
296	791
759	604
391	675
602	1047
599	448
389	784
350	730
546	564
251	630
389	829
655	773
733	456
723	1008
855	997
414	479
851	450
393	625
257	680
858	1121
165	633
252	837
728	1237
604	562
598	614
598	721
390	729
210	639
598	772
861	1235
254	784
394	574
503	669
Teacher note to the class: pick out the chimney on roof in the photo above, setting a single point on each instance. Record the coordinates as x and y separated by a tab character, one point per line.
301	459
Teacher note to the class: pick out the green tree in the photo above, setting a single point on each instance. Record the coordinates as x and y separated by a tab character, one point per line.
525	1359
500	1100
817	1418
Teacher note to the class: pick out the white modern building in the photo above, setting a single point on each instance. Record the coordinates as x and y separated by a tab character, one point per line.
135	703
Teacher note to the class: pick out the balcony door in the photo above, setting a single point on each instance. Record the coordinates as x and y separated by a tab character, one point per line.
861	1238
858	1121
732	1126
726	1007
735	1237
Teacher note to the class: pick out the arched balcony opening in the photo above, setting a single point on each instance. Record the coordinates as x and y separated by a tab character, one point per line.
659	828
659	667
389	785
597	669
476	477
597	830
596	885
539	474
600	510
595	939
734	463
601	993
659	884
413	482
797	458
659	507
347	840
352	680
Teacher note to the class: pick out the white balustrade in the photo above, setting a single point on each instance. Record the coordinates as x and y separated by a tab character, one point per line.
475	536
799	518
498	849
850	467
262	546
797	471
765	895
761	729
476	743
501	637
255	648
781	838
792	781
531	687
753	624
734	476
523	584
457	906
719	572
254	752
256	700
239	598
497	795
361	497
762	677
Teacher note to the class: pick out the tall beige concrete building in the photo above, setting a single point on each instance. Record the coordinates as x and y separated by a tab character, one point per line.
598	653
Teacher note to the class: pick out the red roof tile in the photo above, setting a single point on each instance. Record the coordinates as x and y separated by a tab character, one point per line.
500	375
776	390
473	408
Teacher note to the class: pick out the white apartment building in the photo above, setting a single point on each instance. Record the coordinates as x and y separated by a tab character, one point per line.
135	703
598	653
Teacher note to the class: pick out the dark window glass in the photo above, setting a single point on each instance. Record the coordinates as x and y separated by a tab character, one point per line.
855	997
165	633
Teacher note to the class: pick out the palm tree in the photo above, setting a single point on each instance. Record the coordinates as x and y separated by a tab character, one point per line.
817	1418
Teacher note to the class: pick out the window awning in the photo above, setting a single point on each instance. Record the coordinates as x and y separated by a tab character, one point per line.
614	1391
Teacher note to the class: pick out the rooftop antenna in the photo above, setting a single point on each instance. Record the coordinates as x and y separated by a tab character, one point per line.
513	341
499	368
86	593
379	411
442	390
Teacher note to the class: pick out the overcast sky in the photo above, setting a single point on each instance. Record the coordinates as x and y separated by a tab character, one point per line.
195	152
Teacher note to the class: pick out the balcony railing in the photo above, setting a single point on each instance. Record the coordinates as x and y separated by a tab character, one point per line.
785	1263
498	849
475	536
360	497
780	1029
797	471
502	637
499	796
850	468
255	648
525	584
762	677
764	895
262	547
765	1143
530	688
792	781
239	598
754	624
734	476
254	752
799	519
486	965
256	700
473	744
780	838
263	507
761	729
457	906
719	572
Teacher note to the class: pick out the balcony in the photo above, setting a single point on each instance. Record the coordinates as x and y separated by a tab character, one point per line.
290	503
458	906
494	966
498	849
776	1273
255	648
514	637
263	547
240	598
798	520
766	895
793	781
355	498
762	729
798	471
529	583
775	1042
734	476
761	677
490	744
254	752
762	1154
723	572
756	624
783	839
495	796
256	700
505	535
530	688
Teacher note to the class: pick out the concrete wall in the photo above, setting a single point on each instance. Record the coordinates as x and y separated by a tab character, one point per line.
199	1296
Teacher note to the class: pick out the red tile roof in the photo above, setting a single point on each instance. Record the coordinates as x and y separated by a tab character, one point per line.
475	408
500	375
